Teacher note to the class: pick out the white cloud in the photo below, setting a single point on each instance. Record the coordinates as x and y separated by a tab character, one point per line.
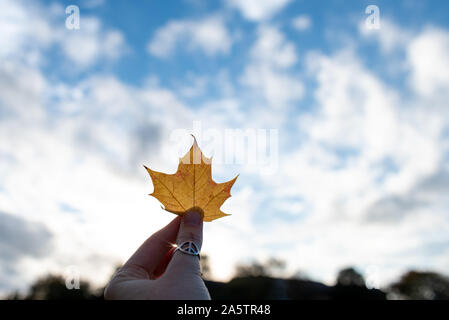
428	56
268	71
90	43
193	86
338	172
209	35
302	22
258	10
357	112
21	92
342	112
23	32
27	32
271	48
277	89
390	36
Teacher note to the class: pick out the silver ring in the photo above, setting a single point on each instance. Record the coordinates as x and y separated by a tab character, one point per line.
189	247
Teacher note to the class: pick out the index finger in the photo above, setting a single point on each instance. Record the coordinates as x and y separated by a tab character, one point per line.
152	251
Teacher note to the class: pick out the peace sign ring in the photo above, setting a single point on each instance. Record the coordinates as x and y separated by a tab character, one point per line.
189	247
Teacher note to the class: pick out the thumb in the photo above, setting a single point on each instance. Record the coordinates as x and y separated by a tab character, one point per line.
191	229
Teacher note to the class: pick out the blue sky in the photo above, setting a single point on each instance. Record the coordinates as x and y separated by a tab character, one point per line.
359	176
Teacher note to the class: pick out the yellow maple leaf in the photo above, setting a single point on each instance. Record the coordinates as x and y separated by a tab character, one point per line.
192	186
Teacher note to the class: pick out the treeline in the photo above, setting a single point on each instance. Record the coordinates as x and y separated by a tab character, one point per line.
265	281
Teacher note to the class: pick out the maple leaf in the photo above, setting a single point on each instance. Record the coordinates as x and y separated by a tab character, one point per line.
192	186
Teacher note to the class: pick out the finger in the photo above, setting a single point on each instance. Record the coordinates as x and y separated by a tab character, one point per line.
191	229
152	251
160	269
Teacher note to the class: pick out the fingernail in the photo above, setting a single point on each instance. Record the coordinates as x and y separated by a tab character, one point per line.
193	218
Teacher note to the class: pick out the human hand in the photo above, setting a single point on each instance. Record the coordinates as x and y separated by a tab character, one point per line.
157	272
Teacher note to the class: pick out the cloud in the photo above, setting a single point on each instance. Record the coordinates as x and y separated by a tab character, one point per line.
428	56
302	22
21	88
271	48
23	32
27	33
96	44
350	100
55	138
427	195
390	36
367	171
268	74
208	35
55	166
365	123
19	239
392	209
277	89
258	10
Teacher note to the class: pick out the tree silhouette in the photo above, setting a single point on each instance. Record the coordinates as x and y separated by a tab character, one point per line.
256	281
271	267
351	286
350	277
205	266
53	287
422	286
